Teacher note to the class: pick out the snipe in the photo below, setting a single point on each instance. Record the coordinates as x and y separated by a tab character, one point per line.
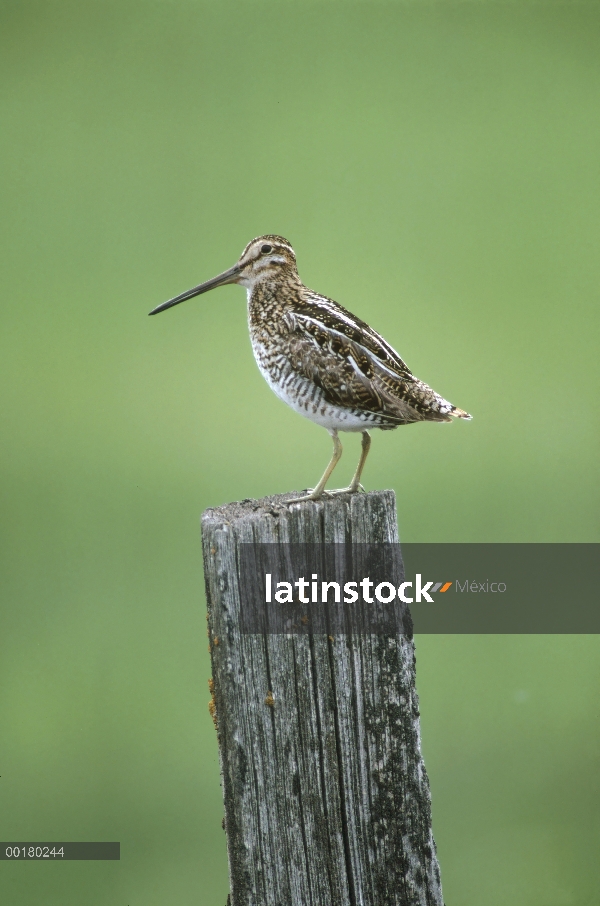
320	359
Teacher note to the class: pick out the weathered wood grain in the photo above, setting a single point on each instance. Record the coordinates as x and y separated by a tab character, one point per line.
327	801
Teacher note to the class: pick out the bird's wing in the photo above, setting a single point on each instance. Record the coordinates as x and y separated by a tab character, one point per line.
336	317
354	371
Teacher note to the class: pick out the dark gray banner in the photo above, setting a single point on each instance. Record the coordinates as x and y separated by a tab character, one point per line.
422	588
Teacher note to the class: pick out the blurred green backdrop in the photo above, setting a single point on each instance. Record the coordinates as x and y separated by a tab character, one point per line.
436	167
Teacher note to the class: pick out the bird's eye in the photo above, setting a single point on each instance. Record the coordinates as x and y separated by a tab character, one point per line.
266	249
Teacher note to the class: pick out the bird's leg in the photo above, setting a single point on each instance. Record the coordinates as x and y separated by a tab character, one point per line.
355	484
365	447
320	491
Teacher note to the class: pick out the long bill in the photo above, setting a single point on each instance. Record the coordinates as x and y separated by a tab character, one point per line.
229	276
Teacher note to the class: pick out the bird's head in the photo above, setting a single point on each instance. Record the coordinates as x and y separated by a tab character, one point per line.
265	258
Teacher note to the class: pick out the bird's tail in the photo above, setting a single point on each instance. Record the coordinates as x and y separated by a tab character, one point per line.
459	413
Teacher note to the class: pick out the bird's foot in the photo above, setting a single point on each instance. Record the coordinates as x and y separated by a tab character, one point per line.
310	495
351	489
327	495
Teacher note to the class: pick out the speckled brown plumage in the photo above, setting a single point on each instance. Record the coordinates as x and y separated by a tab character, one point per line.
318	357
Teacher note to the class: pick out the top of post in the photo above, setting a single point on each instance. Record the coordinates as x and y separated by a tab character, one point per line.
369	517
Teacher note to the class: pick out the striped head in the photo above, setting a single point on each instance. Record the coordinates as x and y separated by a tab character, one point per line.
265	258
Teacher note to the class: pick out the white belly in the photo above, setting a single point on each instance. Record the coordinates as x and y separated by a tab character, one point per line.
306	398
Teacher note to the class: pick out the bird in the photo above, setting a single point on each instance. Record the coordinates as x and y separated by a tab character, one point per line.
320	359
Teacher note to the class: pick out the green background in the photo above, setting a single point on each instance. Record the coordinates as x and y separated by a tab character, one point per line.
436	167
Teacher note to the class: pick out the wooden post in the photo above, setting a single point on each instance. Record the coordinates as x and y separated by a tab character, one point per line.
327	800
